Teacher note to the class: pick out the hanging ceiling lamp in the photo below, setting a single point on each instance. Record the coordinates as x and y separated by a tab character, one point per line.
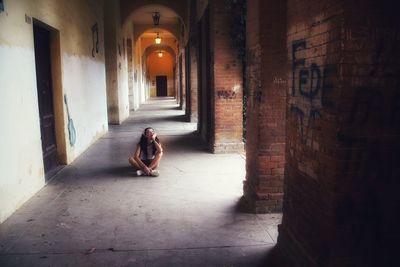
156	22
160	53
156	18
158	39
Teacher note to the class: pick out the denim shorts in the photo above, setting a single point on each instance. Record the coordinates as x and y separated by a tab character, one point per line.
147	162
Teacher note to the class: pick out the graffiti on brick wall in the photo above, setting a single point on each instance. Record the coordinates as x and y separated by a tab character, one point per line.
370	134
311	89
279	80
376	101
254	74
369	158
226	94
373	109
372	126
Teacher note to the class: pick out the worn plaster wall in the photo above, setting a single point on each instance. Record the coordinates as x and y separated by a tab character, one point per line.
140	72
75	73
116	65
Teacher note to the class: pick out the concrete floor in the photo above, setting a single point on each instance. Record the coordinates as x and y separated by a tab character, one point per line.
95	212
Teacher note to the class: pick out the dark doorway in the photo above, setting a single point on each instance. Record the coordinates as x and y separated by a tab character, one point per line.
161	85
45	97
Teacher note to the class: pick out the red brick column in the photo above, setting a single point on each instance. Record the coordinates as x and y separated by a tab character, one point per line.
193	43
341	203
227	83
181	80
266	75
193	83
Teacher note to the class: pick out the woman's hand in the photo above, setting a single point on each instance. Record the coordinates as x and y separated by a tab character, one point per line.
153	137
147	170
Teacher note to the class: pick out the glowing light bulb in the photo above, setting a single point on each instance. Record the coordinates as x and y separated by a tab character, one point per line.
158	39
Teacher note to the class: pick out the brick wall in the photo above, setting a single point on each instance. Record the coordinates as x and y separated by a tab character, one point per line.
227	83
340	203
193	84
182	79
193	42
266	75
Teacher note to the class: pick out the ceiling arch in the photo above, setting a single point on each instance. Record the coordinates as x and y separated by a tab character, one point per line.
155	48
173	16
179	7
150	30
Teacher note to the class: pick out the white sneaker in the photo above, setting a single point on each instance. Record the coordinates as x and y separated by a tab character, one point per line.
139	172
155	173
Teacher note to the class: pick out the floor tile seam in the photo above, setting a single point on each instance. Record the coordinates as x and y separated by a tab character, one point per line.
160	195
108	250
258	221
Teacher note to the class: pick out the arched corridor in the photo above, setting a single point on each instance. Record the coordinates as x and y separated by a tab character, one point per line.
188	216
291	106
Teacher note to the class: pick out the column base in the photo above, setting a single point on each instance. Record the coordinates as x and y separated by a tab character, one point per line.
258	204
222	148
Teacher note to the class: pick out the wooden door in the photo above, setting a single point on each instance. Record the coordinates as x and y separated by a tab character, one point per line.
161	85
45	97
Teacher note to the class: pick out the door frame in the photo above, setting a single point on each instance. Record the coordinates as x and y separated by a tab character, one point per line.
58	94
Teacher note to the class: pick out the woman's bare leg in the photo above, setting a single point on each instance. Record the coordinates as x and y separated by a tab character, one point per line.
134	163
156	161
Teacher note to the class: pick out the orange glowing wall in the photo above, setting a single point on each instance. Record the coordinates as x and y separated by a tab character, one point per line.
158	66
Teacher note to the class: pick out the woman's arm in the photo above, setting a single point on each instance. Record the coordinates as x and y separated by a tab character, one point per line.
158	147
157	144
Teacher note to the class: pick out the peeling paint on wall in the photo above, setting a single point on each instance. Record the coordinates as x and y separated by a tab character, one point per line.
95	39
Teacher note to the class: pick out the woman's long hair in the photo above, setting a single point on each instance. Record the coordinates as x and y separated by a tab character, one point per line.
143	142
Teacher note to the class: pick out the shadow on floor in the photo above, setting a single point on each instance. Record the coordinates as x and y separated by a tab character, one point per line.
188	142
273	258
242	206
157	108
152	120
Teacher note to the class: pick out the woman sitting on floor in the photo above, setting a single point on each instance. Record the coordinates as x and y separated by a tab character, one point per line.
148	154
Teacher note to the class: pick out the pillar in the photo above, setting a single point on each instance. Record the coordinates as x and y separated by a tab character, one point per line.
267	82
226	83
341	203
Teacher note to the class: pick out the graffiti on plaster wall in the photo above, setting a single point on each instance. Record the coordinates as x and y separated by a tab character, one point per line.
311	90
95	39
71	127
